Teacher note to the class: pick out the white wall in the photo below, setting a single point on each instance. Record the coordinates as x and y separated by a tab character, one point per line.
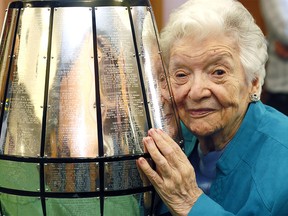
168	6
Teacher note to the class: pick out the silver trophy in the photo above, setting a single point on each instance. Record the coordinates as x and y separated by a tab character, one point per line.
81	83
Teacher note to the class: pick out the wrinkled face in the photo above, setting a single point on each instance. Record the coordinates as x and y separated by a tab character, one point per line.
209	85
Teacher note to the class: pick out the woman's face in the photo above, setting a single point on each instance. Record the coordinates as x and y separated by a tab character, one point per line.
209	85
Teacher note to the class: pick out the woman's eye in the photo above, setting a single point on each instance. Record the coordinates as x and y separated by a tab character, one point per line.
219	72
180	75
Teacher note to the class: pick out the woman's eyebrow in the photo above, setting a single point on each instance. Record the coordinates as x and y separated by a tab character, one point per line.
212	56
225	58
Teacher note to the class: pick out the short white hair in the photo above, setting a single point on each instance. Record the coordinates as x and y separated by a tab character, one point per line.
200	18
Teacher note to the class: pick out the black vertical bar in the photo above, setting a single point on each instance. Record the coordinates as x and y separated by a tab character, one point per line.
44	118
98	111
46	89
10	66
97	86
140	70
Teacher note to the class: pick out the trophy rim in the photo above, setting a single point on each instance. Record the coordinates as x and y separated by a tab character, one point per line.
77	3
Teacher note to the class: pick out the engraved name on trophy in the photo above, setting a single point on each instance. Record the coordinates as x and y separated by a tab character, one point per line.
81	83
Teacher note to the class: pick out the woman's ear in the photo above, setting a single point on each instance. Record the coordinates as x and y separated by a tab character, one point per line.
255	91
256	88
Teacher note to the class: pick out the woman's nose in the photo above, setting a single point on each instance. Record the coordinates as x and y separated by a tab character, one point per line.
199	88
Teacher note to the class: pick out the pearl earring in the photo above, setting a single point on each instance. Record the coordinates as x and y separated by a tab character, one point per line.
254	97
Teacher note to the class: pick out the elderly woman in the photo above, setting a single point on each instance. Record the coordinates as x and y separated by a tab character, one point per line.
236	148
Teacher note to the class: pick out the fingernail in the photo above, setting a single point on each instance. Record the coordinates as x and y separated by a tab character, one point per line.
141	160
159	130
151	131
145	139
148	141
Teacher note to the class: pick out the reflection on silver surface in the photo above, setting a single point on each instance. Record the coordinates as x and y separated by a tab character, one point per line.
5	51
22	119
71	123
124	118
71	129
72	177
121	175
158	94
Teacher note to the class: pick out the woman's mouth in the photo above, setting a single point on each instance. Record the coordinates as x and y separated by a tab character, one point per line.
199	113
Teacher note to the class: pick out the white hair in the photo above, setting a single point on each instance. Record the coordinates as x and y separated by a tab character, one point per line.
201	18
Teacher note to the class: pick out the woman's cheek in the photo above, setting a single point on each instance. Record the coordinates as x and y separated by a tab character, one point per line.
179	94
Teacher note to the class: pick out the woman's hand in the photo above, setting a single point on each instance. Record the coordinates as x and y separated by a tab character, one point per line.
174	178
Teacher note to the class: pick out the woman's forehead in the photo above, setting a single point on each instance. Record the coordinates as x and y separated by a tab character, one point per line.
210	47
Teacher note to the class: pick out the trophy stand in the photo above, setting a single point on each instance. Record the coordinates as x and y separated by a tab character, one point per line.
81	83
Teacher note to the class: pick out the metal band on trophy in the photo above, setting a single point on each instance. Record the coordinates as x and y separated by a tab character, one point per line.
81	83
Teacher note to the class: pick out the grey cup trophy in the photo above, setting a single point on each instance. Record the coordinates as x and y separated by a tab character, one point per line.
81	83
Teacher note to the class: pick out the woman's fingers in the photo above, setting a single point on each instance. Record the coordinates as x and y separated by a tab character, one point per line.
165	153
163	141
174	177
151	174
158	158
168	148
